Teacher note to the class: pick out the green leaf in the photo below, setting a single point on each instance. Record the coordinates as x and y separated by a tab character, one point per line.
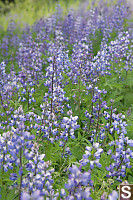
130	179
119	98
79	136
38	112
116	135
47	41
72	159
110	137
117	85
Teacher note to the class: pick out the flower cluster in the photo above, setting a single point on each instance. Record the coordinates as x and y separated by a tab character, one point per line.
120	161
92	155
79	185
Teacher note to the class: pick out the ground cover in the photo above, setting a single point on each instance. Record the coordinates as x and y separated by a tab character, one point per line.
66	113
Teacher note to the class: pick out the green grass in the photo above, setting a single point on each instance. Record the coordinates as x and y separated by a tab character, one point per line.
29	11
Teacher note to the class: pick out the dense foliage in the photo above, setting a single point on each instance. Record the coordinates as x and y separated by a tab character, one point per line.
29	11
66	106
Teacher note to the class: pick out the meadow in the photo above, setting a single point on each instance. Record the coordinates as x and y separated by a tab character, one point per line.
66	105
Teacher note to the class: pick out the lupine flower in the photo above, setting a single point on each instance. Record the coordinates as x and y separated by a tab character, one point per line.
113	195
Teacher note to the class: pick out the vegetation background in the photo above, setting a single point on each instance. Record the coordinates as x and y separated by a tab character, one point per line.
28	11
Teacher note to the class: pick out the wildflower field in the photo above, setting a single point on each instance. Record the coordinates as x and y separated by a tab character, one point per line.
66	105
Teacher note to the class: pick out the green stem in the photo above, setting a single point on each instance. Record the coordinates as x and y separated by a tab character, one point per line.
98	117
79	93
91	106
20	175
